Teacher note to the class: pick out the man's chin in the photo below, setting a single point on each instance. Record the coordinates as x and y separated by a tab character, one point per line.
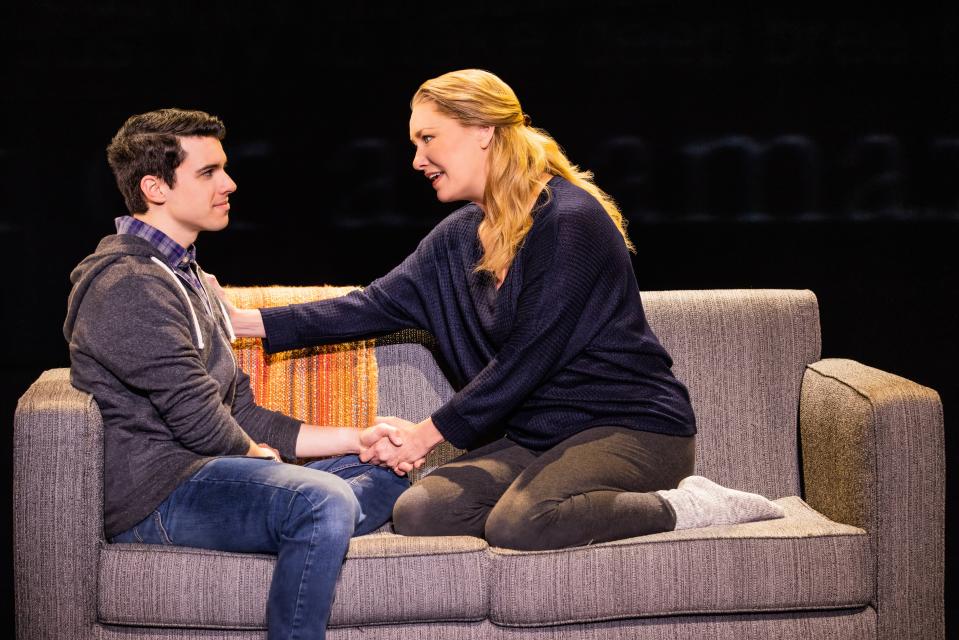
220	223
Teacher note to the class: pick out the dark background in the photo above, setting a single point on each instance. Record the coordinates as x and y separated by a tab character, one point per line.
749	146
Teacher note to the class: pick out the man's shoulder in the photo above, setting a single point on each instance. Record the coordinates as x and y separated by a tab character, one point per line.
135	273
129	287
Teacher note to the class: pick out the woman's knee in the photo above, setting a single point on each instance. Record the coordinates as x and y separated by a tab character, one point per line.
522	527
433	507
413	511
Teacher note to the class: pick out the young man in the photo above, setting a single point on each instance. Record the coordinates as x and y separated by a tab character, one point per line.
189	458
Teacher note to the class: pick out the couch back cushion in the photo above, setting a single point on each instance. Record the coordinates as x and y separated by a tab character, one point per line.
741	354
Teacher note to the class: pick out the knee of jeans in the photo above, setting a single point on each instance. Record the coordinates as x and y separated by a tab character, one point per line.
415	513
512	527
329	506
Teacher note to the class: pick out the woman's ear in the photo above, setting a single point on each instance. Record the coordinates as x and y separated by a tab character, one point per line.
154	189
485	136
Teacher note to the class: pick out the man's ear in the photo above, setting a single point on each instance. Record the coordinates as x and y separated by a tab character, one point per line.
485	136
154	189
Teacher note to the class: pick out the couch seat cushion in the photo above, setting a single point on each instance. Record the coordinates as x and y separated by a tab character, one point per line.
802	561
386	578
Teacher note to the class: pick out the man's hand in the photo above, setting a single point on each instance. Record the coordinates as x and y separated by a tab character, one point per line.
417	441
379	440
263	450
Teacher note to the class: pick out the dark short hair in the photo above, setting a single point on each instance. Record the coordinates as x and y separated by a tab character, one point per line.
149	145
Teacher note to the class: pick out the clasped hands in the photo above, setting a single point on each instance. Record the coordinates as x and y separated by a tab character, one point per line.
398	444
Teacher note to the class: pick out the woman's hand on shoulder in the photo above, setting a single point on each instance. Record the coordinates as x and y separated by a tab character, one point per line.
247	323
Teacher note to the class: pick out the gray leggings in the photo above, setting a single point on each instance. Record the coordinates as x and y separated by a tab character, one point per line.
594	486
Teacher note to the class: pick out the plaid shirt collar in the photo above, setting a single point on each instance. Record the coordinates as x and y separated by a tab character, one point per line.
176	256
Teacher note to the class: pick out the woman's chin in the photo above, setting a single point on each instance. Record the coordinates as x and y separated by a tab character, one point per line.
447	196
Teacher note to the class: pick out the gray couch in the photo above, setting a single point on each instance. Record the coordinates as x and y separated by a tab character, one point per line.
854	455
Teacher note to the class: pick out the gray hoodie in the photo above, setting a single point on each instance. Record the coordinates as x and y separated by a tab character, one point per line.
155	356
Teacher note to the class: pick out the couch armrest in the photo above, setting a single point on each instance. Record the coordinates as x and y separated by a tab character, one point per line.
873	457
58	508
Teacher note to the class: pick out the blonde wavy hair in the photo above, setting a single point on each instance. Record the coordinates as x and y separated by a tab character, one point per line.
519	156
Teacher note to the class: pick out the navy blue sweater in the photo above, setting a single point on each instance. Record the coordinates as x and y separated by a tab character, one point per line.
562	346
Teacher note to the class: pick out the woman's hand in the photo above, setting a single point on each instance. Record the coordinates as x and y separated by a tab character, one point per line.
220	293
372	435
247	323
417	441
379	439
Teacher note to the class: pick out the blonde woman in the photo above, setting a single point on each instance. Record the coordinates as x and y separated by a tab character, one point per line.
530	293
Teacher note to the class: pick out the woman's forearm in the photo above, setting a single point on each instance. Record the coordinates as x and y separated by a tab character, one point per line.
247	323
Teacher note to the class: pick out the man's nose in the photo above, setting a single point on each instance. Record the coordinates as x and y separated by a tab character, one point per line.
229	186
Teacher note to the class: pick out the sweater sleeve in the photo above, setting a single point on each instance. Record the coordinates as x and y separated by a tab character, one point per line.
145	341
398	300
570	266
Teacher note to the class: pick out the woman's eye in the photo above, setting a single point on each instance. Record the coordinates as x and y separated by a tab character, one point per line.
427	138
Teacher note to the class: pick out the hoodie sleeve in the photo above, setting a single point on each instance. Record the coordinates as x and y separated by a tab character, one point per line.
135	325
278	430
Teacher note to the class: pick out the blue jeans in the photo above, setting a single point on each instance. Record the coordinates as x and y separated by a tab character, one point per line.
305	515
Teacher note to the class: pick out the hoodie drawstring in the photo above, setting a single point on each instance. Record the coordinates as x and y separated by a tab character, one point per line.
196	322
229	323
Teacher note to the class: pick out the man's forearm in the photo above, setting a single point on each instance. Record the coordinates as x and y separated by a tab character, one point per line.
314	441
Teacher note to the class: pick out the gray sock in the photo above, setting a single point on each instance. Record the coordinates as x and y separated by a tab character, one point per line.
699	502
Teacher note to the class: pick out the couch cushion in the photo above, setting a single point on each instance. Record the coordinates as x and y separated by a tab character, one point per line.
802	561
386	578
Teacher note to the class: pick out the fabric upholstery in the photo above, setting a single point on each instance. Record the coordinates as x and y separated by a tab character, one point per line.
58	507
802	561
855	624
415	631
325	385
873	456
824	625
411	386
163	586
742	354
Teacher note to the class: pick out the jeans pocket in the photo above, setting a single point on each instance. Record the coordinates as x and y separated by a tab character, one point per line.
150	530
